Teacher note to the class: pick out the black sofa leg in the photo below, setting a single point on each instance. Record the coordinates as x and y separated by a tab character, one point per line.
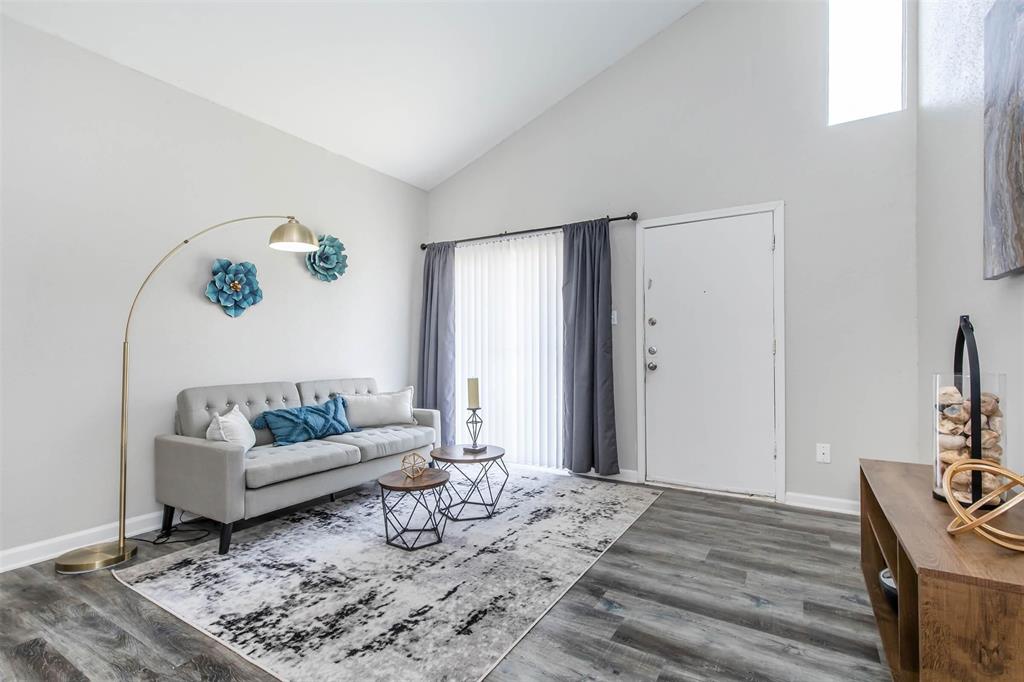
168	519
225	537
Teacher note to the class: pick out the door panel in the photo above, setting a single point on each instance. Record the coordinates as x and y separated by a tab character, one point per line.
710	403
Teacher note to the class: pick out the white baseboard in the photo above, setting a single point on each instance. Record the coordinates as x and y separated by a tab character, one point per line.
25	555
626	475
832	504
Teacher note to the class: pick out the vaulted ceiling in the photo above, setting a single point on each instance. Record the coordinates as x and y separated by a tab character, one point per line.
416	90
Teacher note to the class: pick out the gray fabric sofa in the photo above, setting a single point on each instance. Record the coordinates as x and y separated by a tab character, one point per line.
226	484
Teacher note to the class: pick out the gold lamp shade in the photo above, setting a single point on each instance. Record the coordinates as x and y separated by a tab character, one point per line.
293	236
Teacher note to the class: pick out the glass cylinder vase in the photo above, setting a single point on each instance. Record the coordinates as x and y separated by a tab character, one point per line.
953	439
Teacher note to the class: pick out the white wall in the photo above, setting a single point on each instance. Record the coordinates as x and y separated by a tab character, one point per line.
728	107
105	169
950	206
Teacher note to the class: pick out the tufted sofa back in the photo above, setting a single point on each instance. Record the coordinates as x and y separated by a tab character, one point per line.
196	406
322	390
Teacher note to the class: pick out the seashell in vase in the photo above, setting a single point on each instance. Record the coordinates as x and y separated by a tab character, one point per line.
958	413
962	481
967	424
950	456
950	427
990	404
994	453
948	442
988	439
949	395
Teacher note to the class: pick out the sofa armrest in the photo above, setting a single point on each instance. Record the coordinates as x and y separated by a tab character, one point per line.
431	418
201	476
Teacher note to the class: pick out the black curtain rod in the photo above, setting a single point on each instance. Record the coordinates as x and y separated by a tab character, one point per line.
628	216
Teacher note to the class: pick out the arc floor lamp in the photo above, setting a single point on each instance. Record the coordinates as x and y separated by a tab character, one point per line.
289	236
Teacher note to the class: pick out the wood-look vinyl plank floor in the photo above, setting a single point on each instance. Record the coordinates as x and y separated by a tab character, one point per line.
718	588
701	587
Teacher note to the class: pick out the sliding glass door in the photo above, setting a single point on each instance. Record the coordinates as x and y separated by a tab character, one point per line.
508	332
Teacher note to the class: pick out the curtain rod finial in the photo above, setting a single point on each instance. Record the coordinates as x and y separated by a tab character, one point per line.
633	215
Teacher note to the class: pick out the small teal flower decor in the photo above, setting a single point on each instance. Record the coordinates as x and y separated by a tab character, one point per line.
234	286
329	262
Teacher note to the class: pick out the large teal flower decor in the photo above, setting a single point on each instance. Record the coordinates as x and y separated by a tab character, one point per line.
234	286
329	262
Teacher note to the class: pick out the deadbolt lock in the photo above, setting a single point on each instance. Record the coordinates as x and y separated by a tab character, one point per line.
652	350
652	321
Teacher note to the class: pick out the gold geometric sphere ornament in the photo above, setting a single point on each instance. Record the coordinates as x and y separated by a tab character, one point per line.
965	519
413	465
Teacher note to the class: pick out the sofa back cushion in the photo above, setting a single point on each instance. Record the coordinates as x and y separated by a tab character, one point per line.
320	391
380	409
196	406
306	422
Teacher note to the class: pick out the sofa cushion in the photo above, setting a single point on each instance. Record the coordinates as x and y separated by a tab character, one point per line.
232	427
266	464
316	392
380	409
382	441
196	406
308	422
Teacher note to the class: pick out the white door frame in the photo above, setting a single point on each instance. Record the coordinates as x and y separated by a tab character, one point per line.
777	209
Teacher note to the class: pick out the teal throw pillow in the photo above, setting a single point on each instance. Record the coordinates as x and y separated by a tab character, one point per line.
309	422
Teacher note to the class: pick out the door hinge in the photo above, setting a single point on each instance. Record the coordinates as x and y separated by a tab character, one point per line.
775	346
773	242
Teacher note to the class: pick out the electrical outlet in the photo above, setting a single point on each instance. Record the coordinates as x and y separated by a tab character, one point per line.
615	317
823	453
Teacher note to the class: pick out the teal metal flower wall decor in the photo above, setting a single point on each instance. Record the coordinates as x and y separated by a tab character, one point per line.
329	262
234	286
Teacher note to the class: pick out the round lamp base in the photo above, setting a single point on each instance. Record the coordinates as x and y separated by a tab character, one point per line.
94	557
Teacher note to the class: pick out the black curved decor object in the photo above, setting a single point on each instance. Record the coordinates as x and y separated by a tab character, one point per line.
965	336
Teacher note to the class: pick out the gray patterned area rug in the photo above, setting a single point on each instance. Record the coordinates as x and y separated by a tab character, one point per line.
317	595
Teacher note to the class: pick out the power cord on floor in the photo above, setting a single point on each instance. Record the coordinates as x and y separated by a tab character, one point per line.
164	537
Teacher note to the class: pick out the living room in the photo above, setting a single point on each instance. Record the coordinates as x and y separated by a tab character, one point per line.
637	340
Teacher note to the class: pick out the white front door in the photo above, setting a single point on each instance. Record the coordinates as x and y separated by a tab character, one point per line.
709	351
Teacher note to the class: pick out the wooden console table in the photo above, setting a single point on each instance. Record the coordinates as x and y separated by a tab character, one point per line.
961	599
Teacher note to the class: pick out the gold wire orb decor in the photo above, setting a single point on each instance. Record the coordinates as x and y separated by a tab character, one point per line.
966	520
413	465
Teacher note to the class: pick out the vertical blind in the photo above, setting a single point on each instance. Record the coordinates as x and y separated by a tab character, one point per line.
508	332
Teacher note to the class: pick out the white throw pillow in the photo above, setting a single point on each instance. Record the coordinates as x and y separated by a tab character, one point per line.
378	409
232	428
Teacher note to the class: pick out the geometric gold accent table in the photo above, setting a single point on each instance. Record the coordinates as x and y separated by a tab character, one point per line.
472	485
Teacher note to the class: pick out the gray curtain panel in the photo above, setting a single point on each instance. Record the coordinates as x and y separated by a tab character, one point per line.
589	419
435	379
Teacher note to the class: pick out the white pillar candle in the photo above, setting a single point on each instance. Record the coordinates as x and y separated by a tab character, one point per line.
474	393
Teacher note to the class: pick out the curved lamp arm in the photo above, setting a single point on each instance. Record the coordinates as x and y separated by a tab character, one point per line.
111	554
179	247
